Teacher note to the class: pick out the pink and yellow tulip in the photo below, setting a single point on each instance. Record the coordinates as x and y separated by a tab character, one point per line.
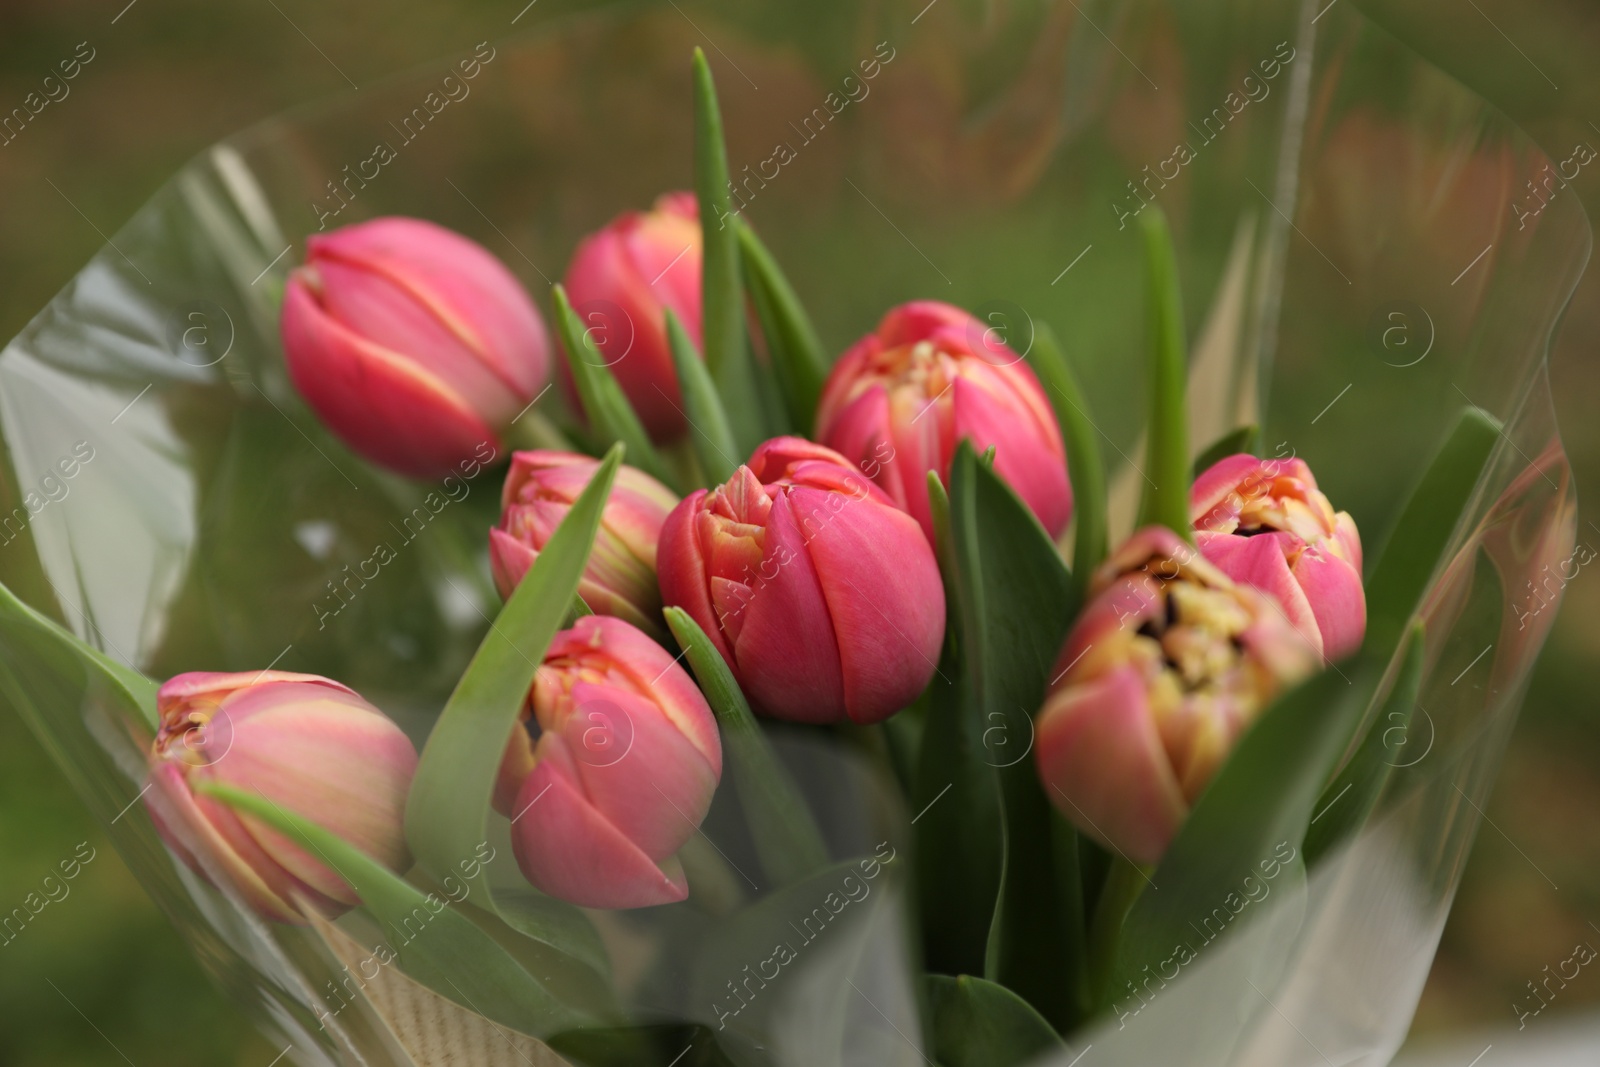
903	397
611	770
620	579
622	281
1166	667
821	595
413	344
309	745
1264	523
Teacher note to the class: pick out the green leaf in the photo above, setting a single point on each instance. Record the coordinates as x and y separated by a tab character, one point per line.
1396	581
796	351
1344	806
448	809
24	628
981	1024
1259	804
1016	601
552	922
713	441
436	945
787	840
1084	465
1243	439
721	294
1166	492
611	418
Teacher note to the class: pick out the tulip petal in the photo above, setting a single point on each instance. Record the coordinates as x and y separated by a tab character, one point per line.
567	849
1260	563
1333	589
884	596
363	392
1037	474
787	652
1103	765
682	572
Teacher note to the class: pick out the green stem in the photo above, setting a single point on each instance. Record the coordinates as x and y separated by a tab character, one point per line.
1124	882
1166	494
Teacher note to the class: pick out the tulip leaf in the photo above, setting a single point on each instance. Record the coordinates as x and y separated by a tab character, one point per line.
1344	806
710	435
1250	820
447	810
721	294
1084	465
1166	491
1015	602
552	922
980	1024
1416	544
434	943
1243	439
787	840
611	418
792	342
38	636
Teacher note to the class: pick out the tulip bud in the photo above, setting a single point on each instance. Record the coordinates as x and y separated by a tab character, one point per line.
622	281
822	596
614	772
309	745
413	344
1264	523
901	400
620	579
1162	673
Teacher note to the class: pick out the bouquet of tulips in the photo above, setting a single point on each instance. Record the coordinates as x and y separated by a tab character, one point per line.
725	546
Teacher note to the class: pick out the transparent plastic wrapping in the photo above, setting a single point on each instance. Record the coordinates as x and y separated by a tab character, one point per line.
1365	249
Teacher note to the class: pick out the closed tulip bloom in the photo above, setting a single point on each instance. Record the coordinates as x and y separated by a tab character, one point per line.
414	345
1263	522
620	579
611	770
622	281
900	401
309	745
1165	669
822	596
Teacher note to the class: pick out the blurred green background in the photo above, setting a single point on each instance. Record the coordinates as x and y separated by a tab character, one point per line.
101	978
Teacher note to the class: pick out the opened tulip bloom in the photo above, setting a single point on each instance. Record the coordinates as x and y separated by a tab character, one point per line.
620	579
622	281
414	345
822	596
1166	667
900	401
611	770
1263	522
309	745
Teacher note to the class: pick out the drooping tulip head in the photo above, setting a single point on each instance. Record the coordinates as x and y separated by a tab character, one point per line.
622	280
620	579
822	596
610	771
415	345
1263	522
1167	666
309	745
903	397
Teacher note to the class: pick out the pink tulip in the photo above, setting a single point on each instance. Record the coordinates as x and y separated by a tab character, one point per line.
821	595
621	577
901	400
1163	671
622	280
1264	523
618	773
413	344
311	746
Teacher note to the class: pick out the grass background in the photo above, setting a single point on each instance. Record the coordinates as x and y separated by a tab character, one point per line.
100	978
